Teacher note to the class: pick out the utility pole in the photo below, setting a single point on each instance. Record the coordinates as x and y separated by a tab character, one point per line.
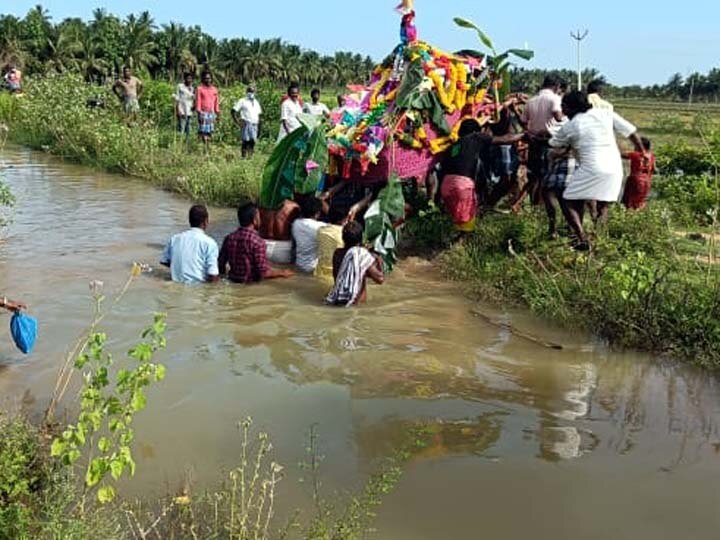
579	37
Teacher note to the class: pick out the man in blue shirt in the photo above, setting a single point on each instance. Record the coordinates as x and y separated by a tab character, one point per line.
192	255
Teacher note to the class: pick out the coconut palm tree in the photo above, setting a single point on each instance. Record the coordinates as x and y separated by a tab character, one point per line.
11	44
174	43
139	48
61	50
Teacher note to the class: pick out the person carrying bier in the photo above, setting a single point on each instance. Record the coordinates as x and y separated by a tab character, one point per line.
245	252
591	134
192	255
329	240
352	265
538	117
305	235
466	164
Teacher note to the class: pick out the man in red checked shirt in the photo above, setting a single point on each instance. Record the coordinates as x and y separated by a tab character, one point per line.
246	253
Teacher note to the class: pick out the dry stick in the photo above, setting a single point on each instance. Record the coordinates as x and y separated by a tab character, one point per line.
510	328
64	376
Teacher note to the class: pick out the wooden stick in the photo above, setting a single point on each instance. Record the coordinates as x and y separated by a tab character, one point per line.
516	332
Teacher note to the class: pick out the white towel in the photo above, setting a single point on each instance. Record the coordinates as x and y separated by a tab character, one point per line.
349	282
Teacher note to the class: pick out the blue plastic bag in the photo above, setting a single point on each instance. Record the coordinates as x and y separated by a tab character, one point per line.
23	329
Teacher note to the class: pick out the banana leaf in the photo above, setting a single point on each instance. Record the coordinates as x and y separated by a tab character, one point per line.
316	150
278	182
379	229
392	200
410	85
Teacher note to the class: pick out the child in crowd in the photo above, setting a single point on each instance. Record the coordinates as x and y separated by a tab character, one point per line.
351	267
561	167
639	183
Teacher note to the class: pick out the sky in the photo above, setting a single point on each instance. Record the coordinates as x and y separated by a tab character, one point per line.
629	42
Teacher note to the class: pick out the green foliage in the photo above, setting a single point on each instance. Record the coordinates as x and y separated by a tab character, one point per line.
499	63
692	199
53	115
634	288
21	473
104	428
278	182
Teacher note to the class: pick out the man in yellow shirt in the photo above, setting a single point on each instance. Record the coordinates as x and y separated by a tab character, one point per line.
329	239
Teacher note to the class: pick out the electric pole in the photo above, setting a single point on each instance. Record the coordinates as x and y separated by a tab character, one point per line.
579	37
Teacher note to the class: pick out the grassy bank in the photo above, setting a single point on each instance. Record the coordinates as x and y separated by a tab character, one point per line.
52	116
641	287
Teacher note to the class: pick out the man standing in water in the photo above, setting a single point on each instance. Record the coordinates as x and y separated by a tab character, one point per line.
246	253
192	255
246	114
129	89
207	105
289	111
184	104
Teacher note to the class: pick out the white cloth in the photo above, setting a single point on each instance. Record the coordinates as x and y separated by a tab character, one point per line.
185	99
304	233
599	174
316	109
249	110
289	112
351	277
539	113
599	103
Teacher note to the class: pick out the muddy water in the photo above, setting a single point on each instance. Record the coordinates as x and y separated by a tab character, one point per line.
526	441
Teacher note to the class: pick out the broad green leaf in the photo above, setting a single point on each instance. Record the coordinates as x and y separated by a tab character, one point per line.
138	400
484	38
316	150
106	494
117	466
104	445
58	448
525	54
160	372
276	187
95	472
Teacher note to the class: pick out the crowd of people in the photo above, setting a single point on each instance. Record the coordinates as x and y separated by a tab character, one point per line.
330	248
567	141
201	104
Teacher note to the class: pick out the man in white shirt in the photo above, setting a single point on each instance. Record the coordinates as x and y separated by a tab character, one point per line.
541	115
184	104
290	110
246	114
595	92
316	107
305	235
